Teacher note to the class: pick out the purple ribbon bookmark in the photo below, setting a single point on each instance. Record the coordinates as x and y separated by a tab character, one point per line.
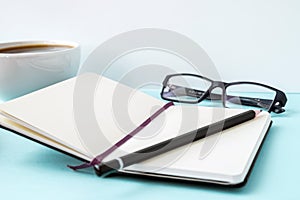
99	158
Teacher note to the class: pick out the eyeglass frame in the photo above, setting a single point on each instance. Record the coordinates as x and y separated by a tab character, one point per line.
277	105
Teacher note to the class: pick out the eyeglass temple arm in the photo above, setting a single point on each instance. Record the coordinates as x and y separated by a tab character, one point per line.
248	101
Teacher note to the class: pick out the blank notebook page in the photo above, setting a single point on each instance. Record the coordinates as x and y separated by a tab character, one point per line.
225	156
50	113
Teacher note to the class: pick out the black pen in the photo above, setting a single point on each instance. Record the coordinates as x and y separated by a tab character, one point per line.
114	165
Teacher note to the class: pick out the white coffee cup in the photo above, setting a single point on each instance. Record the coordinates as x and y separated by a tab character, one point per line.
27	66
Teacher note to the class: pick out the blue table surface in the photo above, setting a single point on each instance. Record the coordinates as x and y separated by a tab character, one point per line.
32	171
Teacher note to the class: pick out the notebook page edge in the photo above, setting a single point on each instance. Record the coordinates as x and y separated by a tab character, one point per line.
35	136
19	122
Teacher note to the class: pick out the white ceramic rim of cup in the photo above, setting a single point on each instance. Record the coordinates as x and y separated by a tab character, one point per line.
73	45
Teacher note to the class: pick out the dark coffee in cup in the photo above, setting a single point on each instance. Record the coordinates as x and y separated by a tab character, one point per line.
34	48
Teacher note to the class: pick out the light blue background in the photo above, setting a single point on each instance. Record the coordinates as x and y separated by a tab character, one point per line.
247	40
31	171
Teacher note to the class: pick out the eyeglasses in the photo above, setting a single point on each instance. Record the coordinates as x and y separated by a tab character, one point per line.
192	88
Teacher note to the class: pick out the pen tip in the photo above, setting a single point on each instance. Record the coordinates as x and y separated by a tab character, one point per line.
257	112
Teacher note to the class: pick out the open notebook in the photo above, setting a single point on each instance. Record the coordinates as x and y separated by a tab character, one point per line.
52	117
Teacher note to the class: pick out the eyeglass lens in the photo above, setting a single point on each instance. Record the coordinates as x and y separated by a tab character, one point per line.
249	96
185	88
